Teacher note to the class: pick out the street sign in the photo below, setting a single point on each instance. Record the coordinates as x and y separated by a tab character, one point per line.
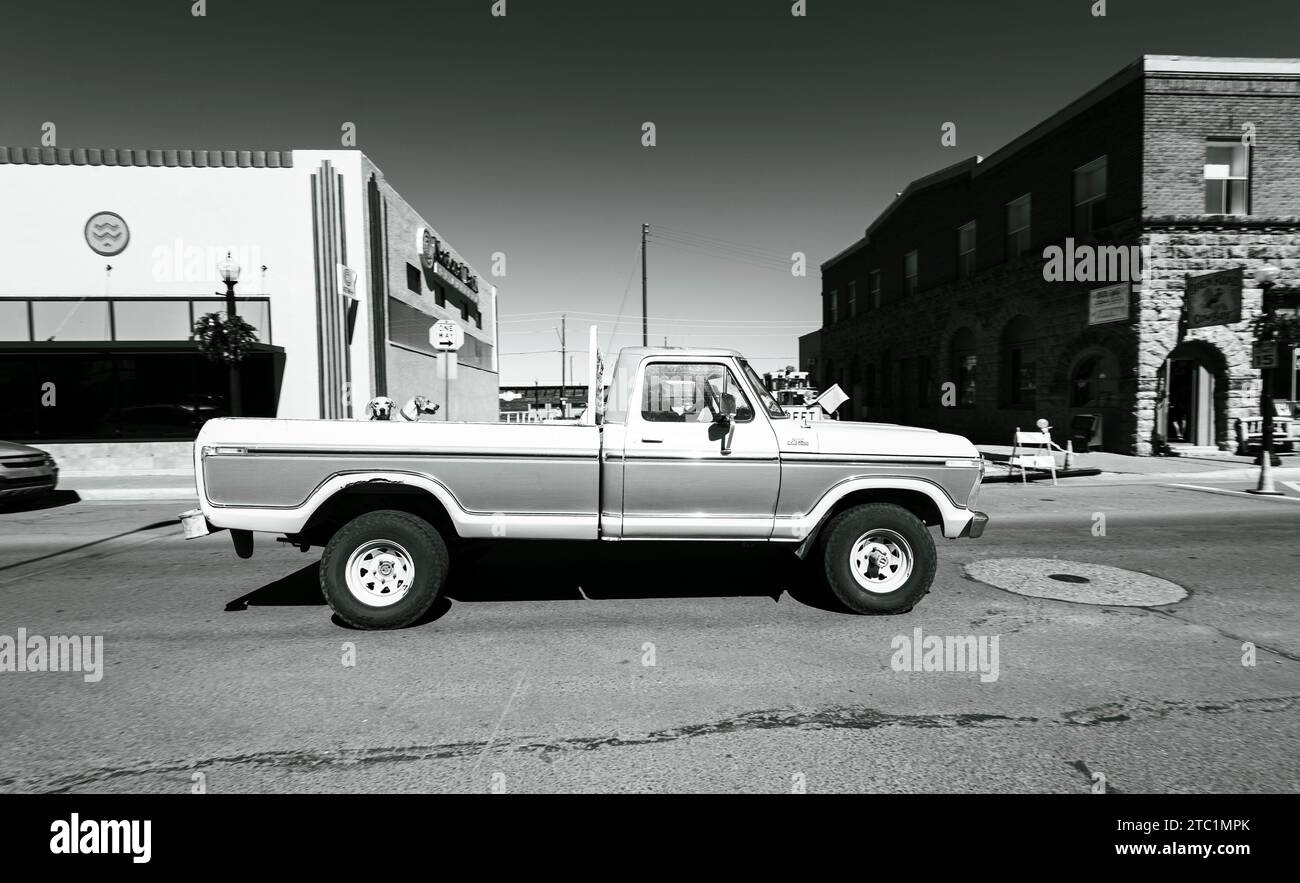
446	335
347	282
1109	304
1263	355
1214	299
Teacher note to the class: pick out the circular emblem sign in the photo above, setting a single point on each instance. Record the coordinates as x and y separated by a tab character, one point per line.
107	234
428	248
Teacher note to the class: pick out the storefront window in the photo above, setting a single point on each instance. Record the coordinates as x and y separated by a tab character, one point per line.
151	320
962	368
13	320
1019	370
112	395
71	320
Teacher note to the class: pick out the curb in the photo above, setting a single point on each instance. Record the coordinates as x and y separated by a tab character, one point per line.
125	495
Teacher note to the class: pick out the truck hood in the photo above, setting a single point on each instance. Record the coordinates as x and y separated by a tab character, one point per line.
888	439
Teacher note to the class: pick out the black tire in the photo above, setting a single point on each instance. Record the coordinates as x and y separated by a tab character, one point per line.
888	522
409	534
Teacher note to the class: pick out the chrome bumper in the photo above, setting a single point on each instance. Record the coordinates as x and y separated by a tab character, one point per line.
975	527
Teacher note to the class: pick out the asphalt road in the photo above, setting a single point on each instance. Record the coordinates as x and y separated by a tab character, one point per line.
632	668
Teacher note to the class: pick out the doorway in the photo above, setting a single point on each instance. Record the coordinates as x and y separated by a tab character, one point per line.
1189	417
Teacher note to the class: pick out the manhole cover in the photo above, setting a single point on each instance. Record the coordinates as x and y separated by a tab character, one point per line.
1075	581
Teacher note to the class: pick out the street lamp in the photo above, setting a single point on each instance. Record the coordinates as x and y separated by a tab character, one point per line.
229	268
1266	278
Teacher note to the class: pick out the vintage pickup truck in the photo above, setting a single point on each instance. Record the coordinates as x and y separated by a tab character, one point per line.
685	444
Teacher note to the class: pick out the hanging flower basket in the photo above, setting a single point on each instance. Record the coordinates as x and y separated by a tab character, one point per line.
223	339
1283	328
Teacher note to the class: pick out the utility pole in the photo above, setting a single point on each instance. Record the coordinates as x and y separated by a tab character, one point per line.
645	313
563	332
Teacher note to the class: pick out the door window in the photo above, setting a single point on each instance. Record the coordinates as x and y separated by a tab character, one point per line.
690	393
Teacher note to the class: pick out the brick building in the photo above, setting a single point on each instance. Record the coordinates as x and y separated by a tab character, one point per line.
1190	165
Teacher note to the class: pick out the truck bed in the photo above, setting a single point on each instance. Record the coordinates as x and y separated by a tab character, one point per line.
488	469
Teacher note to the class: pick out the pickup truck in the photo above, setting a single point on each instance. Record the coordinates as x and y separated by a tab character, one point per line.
680	444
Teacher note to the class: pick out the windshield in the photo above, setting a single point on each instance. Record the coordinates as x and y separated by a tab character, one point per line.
764	397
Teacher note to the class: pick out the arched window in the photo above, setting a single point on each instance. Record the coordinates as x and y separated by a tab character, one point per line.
1094	380
962	366
1018	366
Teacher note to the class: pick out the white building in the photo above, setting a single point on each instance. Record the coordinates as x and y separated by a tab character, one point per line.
110	255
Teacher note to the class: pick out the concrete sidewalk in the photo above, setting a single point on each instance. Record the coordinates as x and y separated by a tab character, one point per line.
1127	468
125	486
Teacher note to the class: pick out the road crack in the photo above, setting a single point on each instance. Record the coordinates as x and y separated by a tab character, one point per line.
843	717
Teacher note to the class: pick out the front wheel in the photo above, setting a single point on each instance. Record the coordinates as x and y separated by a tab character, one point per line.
879	558
383	569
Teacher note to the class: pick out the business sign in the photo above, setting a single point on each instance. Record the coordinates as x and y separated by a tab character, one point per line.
1214	299
432	253
1263	355
447	336
107	234
347	281
1109	304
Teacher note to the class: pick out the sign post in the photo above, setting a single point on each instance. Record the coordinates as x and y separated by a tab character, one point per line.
447	337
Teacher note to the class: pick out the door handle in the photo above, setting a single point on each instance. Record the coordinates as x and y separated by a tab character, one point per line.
653	441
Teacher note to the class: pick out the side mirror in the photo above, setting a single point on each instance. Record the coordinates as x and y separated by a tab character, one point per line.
725	419
726	408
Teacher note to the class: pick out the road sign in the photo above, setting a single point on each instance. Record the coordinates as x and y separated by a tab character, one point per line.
1109	304
347	282
1263	355
446	335
1214	299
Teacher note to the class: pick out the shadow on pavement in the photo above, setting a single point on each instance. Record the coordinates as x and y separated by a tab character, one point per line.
538	570
52	500
299	589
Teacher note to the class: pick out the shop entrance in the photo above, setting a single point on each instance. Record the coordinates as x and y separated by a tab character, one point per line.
1189	412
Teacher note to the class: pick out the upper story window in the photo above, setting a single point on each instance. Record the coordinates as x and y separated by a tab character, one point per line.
911	272
1090	197
1227	177
873	286
413	278
966	250
834	305
1018	226
853	299
440	295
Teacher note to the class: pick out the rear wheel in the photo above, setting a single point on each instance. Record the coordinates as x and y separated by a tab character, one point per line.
383	569
878	558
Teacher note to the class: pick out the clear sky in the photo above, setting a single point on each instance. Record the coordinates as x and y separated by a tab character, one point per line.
522	134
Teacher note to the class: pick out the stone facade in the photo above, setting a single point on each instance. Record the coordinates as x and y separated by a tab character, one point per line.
1034	351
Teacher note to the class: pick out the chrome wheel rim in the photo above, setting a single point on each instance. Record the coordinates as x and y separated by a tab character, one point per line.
380	573
881	561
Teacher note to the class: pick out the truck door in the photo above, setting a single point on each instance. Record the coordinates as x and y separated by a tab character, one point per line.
680	479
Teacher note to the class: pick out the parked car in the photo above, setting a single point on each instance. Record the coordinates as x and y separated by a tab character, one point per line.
689	445
25	471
